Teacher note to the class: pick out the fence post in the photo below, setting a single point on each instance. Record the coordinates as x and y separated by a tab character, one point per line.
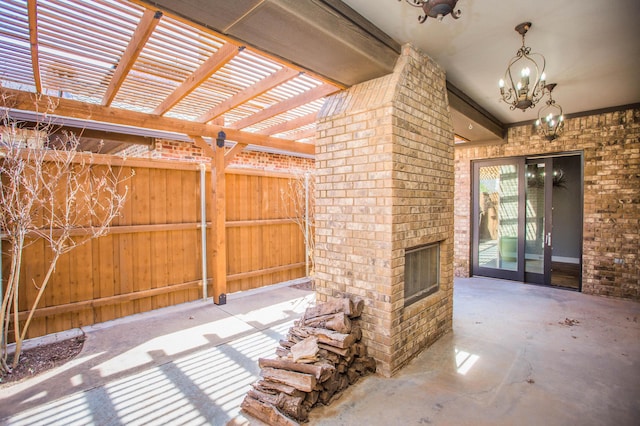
203	227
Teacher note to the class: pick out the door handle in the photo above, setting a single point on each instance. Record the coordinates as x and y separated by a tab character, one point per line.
548	239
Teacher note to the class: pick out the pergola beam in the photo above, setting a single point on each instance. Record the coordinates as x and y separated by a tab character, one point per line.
32	10
237	149
251	92
203	145
27	101
209	67
141	35
289	104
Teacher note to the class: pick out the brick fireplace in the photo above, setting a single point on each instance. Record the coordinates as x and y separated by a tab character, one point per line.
384	157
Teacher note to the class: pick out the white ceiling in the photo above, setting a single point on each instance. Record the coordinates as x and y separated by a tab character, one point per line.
592	47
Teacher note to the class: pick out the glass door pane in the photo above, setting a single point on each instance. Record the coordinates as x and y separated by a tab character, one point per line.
535	215
566	233
497	207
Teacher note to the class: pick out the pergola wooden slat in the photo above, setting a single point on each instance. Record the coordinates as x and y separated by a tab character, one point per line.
285	74
275	109
33	38
206	70
287	126
134	66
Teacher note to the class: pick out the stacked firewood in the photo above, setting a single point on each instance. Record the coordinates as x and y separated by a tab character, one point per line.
321	356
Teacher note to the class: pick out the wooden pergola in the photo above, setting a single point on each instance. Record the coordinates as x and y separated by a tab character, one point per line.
122	63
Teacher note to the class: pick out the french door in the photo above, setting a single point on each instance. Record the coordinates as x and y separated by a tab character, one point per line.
520	206
498	202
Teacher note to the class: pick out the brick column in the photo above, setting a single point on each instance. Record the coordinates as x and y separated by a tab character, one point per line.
384	157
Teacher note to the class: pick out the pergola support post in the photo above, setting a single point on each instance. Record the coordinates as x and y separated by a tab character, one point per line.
216	239
219	218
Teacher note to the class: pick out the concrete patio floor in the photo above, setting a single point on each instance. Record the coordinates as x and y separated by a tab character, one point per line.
518	355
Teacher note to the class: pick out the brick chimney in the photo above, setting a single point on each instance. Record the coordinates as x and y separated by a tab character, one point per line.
384	158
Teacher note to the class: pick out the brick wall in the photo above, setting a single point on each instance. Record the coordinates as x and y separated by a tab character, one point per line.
384	164
186	151
610	143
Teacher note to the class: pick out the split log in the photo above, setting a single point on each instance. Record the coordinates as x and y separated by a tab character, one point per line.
343	382
360	349
305	351
266	413
330	355
286	343
333	338
357	332
325	396
268	386
339	322
283	353
352	375
304	382
293	339
352	308
336	351
358	365
331	385
347	359
311	398
358	307
320	371
290	405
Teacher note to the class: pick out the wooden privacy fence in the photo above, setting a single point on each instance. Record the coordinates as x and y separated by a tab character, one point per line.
152	256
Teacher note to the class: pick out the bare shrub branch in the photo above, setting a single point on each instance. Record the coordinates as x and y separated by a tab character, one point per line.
299	202
49	191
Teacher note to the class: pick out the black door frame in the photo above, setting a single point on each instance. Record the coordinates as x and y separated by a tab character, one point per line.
518	274
545	277
520	162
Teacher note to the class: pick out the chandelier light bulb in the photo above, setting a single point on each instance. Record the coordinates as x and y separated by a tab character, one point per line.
525	89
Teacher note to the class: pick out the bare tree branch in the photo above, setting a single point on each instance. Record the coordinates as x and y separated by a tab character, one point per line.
49	191
299	201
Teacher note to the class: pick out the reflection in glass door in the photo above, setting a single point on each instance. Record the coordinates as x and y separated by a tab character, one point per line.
527	219
537	255
496	207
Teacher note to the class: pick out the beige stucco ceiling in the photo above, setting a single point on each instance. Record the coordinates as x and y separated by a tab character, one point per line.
592	47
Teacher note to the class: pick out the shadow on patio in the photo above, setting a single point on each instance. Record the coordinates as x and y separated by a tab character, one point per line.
518	354
187	364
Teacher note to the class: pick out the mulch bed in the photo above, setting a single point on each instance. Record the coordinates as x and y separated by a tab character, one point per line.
40	359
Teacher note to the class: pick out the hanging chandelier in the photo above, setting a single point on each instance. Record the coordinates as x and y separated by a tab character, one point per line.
550	122
437	9
527	88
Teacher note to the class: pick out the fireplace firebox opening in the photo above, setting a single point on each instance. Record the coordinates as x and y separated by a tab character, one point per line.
421	272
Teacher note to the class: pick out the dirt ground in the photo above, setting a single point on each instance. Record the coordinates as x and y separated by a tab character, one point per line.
40	359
